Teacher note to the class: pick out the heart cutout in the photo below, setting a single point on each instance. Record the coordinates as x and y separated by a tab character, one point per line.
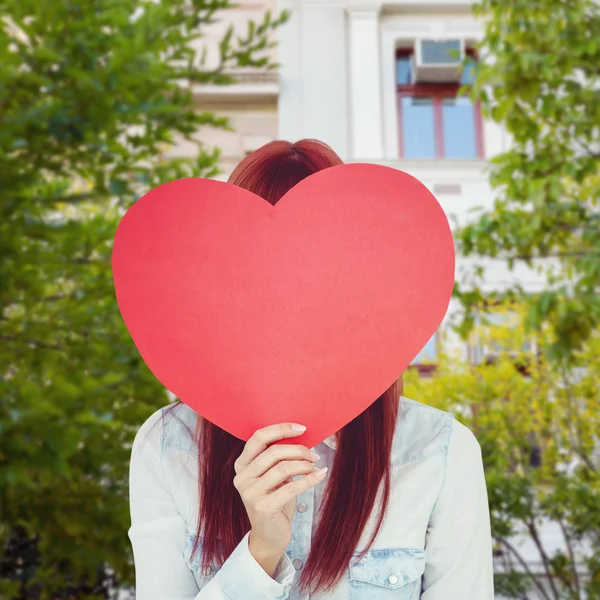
306	311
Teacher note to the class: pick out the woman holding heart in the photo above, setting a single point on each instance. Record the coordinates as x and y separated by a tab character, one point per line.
393	506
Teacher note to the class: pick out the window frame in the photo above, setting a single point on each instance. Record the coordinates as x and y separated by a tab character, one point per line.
487	355
436	91
427	369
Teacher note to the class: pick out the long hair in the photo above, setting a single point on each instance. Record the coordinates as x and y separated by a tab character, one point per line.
362	459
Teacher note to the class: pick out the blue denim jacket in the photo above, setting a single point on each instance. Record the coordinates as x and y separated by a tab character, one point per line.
435	542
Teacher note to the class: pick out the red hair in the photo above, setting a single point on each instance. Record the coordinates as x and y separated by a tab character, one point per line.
362	459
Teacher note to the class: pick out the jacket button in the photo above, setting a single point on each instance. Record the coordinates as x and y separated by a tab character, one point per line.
302	507
393	579
297	564
207	571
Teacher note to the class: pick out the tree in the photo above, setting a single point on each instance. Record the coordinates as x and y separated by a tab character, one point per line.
90	94
537	425
539	78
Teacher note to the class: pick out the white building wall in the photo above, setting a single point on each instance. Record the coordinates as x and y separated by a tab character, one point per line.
365	82
250	104
313	96
337	84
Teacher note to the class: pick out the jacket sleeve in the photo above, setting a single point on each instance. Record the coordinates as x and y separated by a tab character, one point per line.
158	535
458	543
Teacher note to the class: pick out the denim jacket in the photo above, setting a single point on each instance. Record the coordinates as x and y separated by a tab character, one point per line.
434	544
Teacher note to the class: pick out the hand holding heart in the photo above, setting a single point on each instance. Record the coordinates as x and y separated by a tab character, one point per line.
304	312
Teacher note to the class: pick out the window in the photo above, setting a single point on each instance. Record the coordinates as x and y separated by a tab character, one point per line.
434	122
425	361
483	348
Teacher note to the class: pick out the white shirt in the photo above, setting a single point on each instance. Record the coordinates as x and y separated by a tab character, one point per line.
434	544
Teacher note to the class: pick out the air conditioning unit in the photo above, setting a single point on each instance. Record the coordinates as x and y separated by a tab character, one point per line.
438	61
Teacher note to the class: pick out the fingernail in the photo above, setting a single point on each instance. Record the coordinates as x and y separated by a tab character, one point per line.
321	472
314	455
298	427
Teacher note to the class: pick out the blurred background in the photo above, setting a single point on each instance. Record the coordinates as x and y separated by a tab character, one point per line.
495	106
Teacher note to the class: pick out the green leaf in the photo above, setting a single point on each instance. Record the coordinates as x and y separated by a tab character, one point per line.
85	112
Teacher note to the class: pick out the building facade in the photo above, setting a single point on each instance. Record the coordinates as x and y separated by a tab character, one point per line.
368	78
354	75
371	79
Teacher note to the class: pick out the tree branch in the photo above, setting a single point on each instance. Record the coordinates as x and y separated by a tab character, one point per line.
526	568
34	343
536	539
577	589
576	444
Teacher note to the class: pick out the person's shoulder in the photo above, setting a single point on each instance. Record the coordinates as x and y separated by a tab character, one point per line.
463	444
173	425
150	432
423	416
422	431
180	428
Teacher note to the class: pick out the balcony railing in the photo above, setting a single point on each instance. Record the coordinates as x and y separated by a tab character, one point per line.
255	77
246	85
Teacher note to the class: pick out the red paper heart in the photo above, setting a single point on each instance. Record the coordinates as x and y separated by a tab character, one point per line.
305	311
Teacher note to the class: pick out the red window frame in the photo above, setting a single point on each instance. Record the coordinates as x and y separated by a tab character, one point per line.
436	91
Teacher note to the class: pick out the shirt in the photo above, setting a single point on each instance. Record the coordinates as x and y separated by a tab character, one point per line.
434	543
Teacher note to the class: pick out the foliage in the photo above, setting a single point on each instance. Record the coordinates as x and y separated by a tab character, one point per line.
537	424
539	78
90	94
